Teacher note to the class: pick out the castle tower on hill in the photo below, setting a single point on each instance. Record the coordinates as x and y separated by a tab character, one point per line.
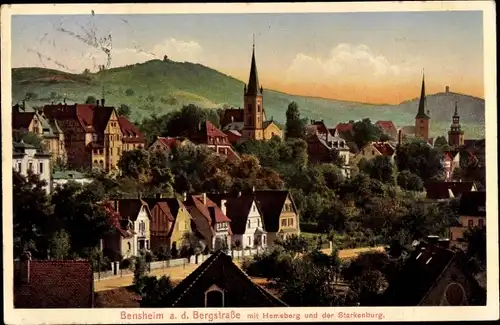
253	105
456	134
422	119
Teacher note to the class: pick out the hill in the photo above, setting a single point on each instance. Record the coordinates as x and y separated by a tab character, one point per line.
157	87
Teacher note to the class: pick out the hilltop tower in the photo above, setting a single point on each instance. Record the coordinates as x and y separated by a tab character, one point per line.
456	134
253	105
422	119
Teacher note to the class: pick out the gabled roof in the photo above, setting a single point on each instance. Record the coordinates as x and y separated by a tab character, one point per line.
421	271
473	204
130	208
116	221
237	209
441	189
232	115
239	290
386	125
344	127
131	133
316	127
167	141
168	207
56	284
21	120
212	131
384	148
91	117
266	124
270	203
450	154
205	208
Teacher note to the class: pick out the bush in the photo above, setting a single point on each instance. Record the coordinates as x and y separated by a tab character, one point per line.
310	227
129	92
125	264
269	264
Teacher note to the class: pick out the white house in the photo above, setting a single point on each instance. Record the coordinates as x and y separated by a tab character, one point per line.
59	178
25	157
137	211
246	221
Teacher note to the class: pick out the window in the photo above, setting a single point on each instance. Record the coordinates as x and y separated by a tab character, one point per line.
129	247
249	107
290	222
283	222
110	151
249	224
19	167
147	244
481	223
118	151
249	241
264	240
30	166
258	222
214	298
95	162
41	168
373	152
471	223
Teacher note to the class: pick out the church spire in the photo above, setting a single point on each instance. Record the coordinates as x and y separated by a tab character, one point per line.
253	87
421	104
456	109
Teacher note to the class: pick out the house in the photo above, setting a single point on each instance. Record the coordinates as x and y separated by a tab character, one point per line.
166	144
434	275
53	284
213	138
342	128
247	223
388	128
233	136
442	190
59	178
218	282
26	157
138	213
132	138
270	128
210	223
170	223
451	161
120	243
27	119
374	149
95	136
471	214
281	217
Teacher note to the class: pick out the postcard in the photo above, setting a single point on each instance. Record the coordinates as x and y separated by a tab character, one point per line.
249	162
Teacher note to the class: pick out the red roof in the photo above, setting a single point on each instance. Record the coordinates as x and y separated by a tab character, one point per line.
386	125
212	131
440	189
115	220
21	120
131	133
91	117
169	142
204	209
384	148
316	127
344	127
56	284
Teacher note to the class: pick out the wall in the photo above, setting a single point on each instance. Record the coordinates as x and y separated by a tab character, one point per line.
153	266
272	129
254	222
182	226
31	157
113	141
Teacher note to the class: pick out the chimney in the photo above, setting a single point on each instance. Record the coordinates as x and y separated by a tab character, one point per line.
24	270
232	119
204	198
400	137
102	102
223	206
447	89
24	105
97	103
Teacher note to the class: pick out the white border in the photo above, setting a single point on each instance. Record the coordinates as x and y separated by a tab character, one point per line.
81	316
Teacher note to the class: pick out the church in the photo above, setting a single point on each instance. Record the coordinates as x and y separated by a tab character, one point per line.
250	121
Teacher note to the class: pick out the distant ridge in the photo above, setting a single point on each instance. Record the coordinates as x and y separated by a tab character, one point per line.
157	87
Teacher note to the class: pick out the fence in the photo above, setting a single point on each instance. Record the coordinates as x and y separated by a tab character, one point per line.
117	272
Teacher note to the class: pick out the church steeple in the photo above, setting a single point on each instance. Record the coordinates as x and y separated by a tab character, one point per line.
455	134
421	104
253	88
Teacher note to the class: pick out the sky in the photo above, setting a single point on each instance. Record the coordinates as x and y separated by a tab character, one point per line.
365	57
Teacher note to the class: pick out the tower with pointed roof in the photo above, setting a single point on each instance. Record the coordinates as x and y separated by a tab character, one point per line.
455	134
253	105
422	119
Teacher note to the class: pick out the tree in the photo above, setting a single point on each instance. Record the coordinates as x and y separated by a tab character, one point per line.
295	126
295	244
28	138
365	131
53	95
60	245
124	110
476	248
139	273
91	100
380	168
409	181
129	92
440	142
420	159
155	291
31	211
135	164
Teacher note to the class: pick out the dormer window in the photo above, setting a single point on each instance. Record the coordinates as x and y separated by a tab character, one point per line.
214	297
